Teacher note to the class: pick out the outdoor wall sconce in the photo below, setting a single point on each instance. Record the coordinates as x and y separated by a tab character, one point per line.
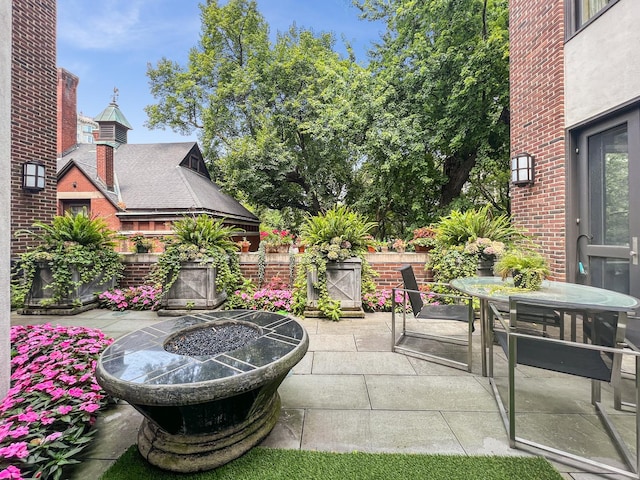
33	176
522	170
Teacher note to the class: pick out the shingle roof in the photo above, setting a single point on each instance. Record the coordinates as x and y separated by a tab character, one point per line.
149	178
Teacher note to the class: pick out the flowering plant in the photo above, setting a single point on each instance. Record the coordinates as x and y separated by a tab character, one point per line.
399	245
275	237
485	247
424	237
140	243
144	297
274	297
244	242
380	300
46	415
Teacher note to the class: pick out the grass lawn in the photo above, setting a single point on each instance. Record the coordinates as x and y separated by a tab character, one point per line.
272	464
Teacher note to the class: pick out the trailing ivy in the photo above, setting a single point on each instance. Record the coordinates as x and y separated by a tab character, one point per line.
72	243
204	240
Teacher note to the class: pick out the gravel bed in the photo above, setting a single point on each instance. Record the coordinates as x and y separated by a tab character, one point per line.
211	340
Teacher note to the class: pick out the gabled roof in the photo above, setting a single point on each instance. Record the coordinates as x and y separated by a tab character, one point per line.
149	179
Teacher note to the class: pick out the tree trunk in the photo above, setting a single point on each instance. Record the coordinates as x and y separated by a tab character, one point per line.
456	170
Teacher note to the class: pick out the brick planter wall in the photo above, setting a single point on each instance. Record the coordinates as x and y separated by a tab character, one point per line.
137	267
536	33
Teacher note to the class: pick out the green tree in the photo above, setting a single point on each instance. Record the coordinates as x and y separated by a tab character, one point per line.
275	120
440	121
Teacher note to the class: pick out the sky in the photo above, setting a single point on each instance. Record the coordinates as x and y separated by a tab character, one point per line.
108	44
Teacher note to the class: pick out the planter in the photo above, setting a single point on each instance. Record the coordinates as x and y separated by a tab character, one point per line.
142	249
301	248
371	249
83	297
244	248
203	411
527	279
344	283
422	248
195	288
485	267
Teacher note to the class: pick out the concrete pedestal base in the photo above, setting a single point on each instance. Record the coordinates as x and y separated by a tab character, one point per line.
195	453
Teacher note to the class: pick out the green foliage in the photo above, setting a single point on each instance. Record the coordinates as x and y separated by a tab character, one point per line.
339	222
452	262
458	227
71	243
527	267
200	239
334	236
439	108
274	118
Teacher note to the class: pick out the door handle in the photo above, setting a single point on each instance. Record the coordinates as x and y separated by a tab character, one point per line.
634	250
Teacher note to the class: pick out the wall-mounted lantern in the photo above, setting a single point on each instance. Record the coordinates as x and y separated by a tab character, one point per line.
522	172
33	178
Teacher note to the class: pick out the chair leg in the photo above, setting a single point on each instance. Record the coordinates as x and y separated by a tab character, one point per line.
512	390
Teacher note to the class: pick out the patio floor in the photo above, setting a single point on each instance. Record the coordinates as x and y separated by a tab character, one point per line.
351	393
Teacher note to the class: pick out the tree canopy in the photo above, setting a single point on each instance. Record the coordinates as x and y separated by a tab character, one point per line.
292	124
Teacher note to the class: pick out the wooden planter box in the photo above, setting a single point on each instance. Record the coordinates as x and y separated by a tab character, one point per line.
84	297
344	283
195	288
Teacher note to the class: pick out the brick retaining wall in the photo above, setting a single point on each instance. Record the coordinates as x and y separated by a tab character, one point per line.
137	267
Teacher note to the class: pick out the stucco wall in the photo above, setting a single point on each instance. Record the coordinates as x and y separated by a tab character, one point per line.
604	57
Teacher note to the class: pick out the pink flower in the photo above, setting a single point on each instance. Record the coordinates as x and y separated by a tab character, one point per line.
91	407
19	432
64	409
75	392
11	473
54	436
18	450
29	416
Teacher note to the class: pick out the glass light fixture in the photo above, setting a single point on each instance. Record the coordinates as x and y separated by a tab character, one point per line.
522	172
33	176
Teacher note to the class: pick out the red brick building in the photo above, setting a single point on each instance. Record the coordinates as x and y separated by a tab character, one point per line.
136	188
33	115
575	109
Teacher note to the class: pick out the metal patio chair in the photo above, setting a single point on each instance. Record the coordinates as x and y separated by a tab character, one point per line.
597	357
440	307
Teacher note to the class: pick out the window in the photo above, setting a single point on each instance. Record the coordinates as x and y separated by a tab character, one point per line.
582	12
77	206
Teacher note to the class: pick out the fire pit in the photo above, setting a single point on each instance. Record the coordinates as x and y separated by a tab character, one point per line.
207	384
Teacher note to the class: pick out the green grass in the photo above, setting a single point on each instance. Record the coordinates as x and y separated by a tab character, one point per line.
271	464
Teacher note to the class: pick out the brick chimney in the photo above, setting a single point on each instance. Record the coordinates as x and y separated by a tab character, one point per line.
67	113
104	164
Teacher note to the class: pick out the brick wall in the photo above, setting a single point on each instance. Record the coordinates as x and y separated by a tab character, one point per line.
137	267
537	121
66	133
33	112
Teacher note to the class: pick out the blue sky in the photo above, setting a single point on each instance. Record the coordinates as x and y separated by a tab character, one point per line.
108	44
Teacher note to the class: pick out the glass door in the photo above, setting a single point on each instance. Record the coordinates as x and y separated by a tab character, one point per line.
610	206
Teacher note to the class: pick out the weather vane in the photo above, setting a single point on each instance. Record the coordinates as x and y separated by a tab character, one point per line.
115	95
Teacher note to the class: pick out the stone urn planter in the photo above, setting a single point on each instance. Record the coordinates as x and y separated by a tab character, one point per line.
207	395
195	288
83	297
344	283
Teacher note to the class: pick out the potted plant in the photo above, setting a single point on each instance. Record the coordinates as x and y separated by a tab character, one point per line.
198	265
528	268
399	245
333	270
244	245
140	243
276	241
74	259
487	251
424	239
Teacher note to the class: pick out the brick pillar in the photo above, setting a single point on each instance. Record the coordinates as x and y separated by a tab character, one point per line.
33	112
536	32
67	132
104	159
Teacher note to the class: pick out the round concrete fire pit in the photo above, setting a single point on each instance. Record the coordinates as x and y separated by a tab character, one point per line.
206	384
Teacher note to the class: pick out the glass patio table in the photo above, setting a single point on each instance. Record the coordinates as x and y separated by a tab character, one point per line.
495	289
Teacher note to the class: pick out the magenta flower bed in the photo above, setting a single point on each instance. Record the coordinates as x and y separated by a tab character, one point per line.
45	418
144	297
